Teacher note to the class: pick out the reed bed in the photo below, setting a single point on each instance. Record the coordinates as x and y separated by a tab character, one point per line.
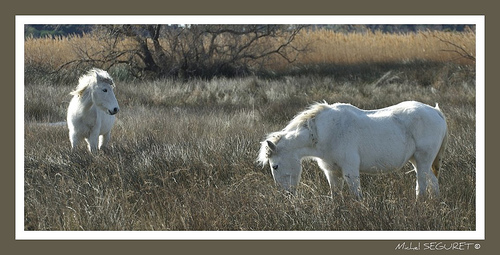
322	47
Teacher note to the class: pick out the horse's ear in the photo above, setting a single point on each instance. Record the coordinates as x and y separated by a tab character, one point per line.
104	79
271	145
103	76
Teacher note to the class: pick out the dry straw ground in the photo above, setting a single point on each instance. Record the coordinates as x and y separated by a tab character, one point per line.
182	155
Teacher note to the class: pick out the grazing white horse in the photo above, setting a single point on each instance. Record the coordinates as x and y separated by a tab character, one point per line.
91	112
347	141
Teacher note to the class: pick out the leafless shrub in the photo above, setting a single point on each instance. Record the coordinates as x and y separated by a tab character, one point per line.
188	51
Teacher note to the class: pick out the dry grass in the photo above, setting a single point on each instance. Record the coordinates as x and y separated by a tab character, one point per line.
182	157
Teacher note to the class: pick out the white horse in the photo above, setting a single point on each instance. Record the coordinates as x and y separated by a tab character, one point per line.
92	109
347	141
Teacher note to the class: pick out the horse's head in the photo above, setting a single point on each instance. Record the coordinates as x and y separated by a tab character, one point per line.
102	93
285	165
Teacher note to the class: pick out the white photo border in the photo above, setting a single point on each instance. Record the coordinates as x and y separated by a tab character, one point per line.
477	20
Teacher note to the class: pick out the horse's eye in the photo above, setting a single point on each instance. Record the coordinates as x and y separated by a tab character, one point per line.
275	167
105	90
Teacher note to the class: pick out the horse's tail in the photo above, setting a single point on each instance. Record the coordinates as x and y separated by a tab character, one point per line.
436	165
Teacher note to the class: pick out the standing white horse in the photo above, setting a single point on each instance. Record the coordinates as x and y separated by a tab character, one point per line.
347	141
92	109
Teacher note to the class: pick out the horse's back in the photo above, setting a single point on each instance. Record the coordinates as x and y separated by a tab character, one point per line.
420	117
410	114
385	138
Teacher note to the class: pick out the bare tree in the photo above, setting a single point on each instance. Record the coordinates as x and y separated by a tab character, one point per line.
459	50
186	51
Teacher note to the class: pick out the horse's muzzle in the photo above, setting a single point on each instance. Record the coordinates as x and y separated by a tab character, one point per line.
114	111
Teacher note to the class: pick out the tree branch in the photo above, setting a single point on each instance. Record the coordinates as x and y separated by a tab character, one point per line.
458	49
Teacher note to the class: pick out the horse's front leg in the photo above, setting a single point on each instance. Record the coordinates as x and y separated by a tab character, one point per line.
93	140
74	139
336	183
104	140
333	176
353	180
350	171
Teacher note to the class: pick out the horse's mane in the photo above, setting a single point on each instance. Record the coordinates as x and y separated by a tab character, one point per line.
299	122
91	77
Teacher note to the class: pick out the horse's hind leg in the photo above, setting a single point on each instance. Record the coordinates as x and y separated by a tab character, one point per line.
437	163
424	176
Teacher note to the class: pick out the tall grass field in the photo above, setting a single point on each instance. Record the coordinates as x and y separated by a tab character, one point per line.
183	154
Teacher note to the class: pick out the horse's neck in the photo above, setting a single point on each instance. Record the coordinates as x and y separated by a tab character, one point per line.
303	143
